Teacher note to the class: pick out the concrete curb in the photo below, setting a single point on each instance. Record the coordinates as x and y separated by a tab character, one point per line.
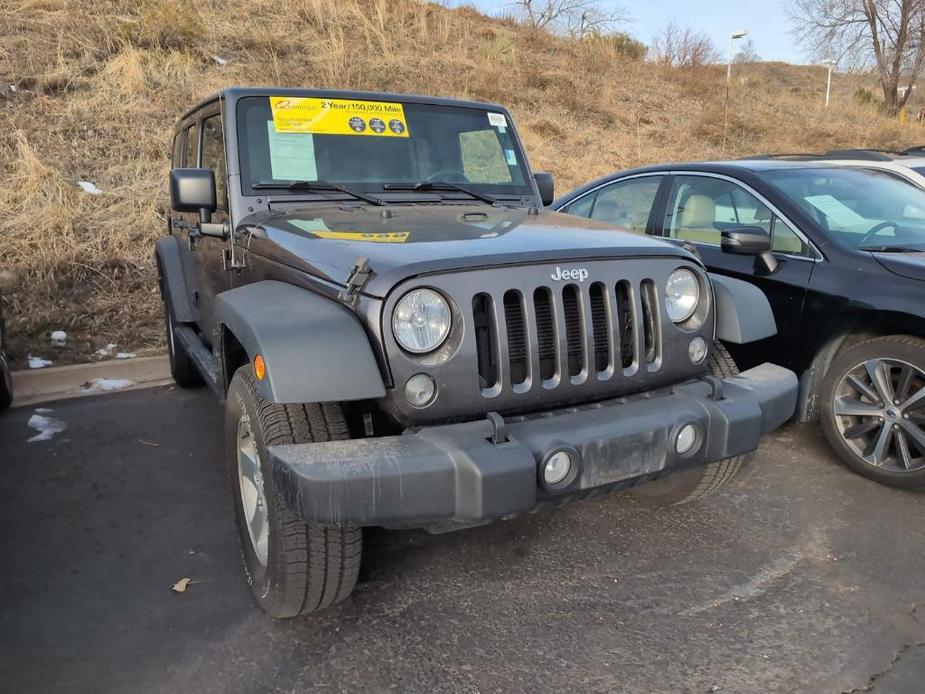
64	382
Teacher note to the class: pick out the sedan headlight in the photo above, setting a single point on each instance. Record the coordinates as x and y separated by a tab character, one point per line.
682	295
421	321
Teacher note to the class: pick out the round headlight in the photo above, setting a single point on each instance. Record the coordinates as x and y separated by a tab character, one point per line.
682	294
421	321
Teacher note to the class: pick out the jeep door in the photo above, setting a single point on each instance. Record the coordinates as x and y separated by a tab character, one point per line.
699	206
211	277
186	154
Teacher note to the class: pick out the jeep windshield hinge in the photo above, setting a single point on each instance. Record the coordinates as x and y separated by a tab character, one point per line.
356	281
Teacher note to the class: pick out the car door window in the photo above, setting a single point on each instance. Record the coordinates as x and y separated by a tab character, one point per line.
213	156
627	203
583	205
700	208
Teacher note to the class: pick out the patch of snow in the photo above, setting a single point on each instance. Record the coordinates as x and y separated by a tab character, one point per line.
46	427
38	362
219	60
89	187
107	350
13	88
44	410
125	355
58	338
105	385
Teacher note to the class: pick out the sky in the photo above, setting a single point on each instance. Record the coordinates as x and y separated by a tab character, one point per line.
766	22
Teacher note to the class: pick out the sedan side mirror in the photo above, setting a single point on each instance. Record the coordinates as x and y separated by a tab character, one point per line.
547	187
749	241
193	190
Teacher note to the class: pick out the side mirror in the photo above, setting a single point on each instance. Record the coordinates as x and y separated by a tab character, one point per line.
193	190
547	187
753	241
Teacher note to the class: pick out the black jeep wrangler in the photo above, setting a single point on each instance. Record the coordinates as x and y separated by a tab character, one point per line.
403	337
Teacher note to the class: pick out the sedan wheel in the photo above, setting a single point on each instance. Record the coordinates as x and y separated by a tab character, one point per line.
880	412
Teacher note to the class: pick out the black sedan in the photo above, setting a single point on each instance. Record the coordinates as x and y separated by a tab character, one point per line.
840	253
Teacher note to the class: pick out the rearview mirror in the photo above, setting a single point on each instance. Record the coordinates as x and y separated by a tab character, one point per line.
749	241
547	187
193	190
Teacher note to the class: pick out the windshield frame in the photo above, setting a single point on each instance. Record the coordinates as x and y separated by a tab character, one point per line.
843	238
500	191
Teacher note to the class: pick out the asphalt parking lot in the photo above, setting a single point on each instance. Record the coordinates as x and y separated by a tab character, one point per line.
801	577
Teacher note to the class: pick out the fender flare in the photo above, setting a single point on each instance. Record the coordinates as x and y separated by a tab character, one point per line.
315	349
743	313
167	254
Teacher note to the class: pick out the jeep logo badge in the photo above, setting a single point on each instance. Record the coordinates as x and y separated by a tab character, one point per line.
578	273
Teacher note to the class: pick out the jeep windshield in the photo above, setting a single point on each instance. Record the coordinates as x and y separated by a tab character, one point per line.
376	147
864	209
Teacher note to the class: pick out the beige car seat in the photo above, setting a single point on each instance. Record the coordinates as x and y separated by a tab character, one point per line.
696	220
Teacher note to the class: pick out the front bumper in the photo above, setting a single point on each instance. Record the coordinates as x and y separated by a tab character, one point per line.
455	474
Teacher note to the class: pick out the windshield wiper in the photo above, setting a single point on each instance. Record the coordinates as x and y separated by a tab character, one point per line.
312	186
441	185
891	249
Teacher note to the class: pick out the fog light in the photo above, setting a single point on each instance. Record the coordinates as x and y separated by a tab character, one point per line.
697	350
557	468
420	390
687	437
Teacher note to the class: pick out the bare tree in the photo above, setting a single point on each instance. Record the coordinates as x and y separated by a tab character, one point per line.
678	46
886	35
577	17
747	54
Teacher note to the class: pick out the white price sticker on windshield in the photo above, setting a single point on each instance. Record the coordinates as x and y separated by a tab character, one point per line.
497	120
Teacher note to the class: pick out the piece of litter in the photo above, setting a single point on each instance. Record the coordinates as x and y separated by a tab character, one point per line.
105	385
219	60
125	355
44	410
58	338
181	585
13	88
37	362
46	426
89	187
148	443
191	553
107	350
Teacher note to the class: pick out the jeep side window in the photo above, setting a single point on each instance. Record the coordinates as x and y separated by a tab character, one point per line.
627	203
190	154
213	156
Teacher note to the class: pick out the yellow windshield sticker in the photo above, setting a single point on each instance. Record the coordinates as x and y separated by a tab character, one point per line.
338	117
371	236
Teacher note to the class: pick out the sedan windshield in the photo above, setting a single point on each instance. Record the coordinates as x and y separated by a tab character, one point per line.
858	208
376	147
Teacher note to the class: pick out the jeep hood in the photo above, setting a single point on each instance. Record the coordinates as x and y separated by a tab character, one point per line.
403	241
910	265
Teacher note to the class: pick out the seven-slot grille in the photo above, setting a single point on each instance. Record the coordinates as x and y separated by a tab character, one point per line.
575	333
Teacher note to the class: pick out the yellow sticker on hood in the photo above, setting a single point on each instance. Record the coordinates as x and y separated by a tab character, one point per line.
372	236
338	116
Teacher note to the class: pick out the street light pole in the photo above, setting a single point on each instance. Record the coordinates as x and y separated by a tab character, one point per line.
732	37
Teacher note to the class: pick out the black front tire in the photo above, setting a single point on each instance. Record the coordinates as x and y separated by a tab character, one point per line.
308	566
695	483
6	383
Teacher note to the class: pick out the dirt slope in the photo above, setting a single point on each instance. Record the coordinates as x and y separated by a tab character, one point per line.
90	91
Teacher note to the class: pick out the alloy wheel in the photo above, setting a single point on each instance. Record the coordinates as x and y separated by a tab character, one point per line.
253	498
879	411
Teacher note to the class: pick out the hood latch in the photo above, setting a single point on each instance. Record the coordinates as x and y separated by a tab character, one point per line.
356	282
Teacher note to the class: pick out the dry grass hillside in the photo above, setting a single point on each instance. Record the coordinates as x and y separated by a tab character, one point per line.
91	90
